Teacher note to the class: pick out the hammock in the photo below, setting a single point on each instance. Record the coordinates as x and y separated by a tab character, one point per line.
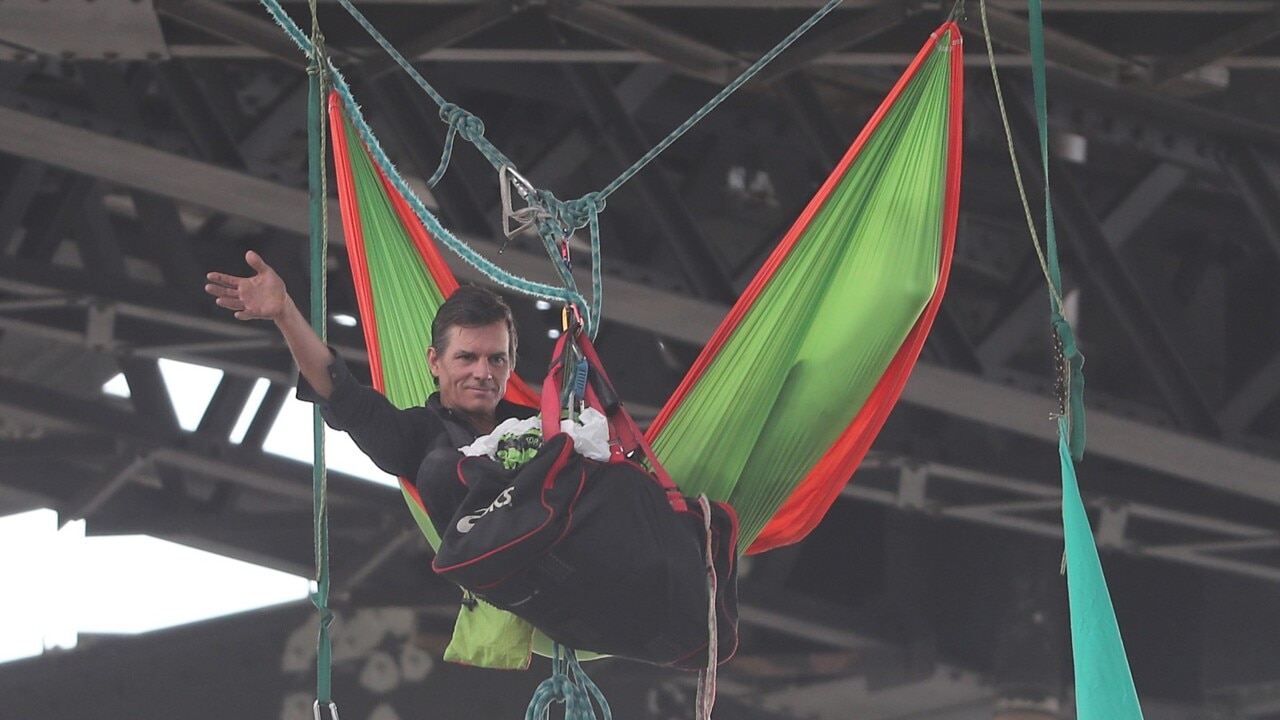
788	395
791	390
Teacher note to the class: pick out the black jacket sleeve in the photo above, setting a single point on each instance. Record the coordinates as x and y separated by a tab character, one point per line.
395	440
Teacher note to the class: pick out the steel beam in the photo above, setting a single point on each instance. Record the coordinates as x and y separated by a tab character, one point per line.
566	155
1114	283
1140	203
225	406
680	51
685	239
1258	181
1251	35
164	173
97	239
17	192
197	115
230	23
1254	396
1177	454
219	460
1011	30
1181	455
49	226
484	16
96	492
829	38
1142	529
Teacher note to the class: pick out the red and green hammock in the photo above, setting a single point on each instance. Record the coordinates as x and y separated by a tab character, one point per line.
788	395
793	387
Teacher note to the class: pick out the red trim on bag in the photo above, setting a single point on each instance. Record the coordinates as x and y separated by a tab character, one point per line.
721	604
556	467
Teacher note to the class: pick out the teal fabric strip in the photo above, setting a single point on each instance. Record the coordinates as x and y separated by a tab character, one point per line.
1104	684
316	176
1073	360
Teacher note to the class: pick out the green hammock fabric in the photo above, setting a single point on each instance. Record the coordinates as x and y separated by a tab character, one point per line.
396	339
811	347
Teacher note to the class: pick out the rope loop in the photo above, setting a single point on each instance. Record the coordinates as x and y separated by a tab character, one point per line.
463	123
570	686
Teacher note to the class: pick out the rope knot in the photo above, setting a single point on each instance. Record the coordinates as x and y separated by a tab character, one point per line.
464	123
578	213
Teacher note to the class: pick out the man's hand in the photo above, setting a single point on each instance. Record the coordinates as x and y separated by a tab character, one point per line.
264	297
260	297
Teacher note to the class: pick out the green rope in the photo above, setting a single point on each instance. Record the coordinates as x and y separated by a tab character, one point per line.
317	180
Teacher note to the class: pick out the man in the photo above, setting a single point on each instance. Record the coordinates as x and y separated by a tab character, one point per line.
609	566
472	355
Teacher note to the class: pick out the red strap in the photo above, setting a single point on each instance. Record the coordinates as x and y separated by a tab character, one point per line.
624	433
629	434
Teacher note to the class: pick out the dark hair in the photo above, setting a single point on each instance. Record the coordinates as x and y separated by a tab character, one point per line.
470	306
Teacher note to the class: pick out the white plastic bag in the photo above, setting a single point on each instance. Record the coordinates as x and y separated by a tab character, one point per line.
590	435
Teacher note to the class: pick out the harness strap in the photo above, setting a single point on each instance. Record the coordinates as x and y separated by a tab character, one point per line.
707	678
625	435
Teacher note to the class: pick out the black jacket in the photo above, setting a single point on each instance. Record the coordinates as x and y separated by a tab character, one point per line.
396	440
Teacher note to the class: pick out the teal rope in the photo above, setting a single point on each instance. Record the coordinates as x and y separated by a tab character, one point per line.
720	97
570	686
429	221
319	249
460	121
561	218
558	219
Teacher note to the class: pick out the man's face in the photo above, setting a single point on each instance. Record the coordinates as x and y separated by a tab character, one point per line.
473	371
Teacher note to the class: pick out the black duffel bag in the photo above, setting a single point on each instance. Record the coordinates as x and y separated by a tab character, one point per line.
599	556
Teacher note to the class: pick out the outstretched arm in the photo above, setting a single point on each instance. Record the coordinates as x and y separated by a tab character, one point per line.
263	296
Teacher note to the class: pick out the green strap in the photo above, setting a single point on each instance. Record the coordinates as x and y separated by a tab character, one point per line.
1104	684
319	249
1071	370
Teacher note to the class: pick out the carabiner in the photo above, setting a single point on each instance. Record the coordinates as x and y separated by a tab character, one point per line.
333	710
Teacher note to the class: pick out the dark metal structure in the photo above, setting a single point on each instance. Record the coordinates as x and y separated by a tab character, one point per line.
144	142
